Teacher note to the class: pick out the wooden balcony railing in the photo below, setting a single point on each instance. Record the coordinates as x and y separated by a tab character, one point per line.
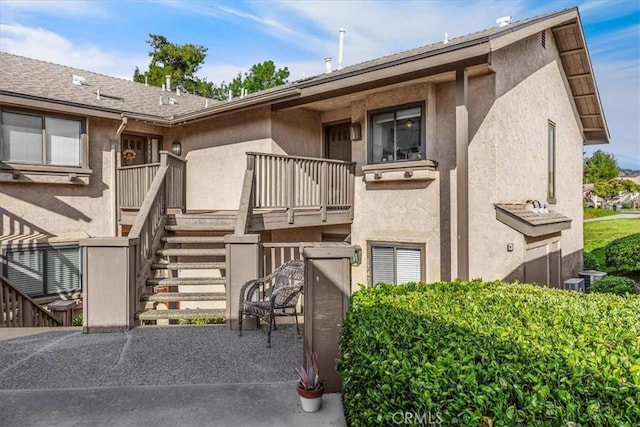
134	182
279	182
19	310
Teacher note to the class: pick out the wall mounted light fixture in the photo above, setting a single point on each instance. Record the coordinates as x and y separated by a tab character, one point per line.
356	132
176	147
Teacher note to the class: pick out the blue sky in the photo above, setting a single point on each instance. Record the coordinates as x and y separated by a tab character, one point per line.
109	37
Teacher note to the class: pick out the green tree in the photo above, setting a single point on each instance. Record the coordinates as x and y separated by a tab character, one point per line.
260	76
181	62
600	167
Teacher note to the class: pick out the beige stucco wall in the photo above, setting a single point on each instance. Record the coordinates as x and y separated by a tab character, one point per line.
402	212
58	209
508	158
215	150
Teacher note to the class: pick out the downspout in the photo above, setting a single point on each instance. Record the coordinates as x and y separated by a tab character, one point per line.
114	183
462	174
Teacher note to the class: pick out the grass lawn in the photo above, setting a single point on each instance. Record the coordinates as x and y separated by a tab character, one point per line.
597	213
598	233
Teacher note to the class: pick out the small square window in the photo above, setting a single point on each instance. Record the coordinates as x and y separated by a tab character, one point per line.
395	264
396	134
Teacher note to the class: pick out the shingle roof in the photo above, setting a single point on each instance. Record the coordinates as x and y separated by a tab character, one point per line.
434	48
44	80
521	217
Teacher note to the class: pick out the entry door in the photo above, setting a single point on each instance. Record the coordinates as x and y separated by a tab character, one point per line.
138	150
338	142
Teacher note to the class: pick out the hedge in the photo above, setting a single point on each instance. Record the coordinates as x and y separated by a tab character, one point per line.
590	261
614	285
623	254
514	354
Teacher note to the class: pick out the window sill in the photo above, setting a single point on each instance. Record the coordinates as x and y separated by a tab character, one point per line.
42	174
415	170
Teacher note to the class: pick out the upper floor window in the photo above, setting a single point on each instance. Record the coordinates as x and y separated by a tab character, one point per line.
396	134
551	188
41	139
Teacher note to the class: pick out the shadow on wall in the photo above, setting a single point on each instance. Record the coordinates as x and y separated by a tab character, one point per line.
48	197
12	226
550	270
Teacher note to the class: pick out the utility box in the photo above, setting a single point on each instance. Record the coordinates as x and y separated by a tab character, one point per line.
574	284
590	277
327	293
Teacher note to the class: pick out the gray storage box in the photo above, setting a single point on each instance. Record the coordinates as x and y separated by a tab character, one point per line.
574	284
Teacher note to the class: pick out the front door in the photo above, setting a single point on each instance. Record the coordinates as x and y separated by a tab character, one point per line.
338	142
138	150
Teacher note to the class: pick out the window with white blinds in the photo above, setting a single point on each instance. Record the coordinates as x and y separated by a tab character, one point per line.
35	139
47	271
396	264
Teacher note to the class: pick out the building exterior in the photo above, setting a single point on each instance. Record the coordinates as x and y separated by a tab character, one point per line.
459	159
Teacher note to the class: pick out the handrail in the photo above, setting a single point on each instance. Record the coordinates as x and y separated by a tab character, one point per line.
19	310
276	181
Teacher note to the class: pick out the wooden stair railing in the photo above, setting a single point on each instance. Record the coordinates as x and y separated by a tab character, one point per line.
19	310
165	192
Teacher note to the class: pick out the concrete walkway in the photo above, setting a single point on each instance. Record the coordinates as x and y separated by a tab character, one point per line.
625	215
173	376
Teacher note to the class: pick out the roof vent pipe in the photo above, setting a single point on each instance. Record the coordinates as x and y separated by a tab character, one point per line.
327	64
446	37
98	94
146	81
168	77
341	49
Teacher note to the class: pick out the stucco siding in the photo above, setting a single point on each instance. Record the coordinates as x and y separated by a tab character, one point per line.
508	159
57	209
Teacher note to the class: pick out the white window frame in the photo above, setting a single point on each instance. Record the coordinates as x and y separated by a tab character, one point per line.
422	151
395	246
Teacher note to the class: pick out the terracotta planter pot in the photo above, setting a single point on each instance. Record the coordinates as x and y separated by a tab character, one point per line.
311	400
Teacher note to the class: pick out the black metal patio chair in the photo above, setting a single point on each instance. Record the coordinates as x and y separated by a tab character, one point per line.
273	295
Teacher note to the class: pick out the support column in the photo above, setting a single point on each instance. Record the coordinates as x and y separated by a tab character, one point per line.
243	264
327	290
462	173
109	284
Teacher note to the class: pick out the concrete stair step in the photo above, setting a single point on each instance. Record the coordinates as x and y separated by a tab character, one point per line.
188	265
184	296
184	281
193	239
191	252
200	313
203	226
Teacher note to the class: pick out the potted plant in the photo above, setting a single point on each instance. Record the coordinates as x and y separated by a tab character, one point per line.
310	388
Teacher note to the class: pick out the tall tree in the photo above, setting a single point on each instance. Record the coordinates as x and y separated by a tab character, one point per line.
181	62
259	77
600	166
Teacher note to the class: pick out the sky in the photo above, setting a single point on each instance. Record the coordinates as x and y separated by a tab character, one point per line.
109	37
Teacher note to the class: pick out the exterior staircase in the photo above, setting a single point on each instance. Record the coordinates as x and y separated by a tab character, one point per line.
189	282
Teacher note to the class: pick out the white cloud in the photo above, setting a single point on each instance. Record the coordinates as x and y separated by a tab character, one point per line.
48	46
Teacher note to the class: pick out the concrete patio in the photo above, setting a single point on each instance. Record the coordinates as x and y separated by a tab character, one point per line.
187	376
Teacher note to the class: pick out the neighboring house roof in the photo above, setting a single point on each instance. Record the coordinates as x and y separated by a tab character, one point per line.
530	223
29	78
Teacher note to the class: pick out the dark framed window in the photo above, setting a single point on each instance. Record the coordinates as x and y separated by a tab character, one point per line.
397	134
41	139
551	170
45	271
396	264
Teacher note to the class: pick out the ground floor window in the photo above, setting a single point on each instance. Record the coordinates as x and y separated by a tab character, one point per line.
45	271
395	264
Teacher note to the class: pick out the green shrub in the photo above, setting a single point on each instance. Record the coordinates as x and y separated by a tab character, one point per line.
77	321
517	354
590	261
623	254
614	285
